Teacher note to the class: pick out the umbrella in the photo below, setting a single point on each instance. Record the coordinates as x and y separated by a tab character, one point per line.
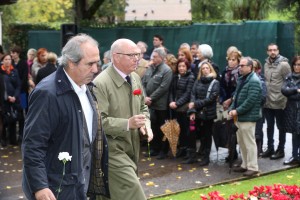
171	129
231	128
219	134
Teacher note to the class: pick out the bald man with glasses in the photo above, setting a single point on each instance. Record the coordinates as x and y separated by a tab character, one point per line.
125	115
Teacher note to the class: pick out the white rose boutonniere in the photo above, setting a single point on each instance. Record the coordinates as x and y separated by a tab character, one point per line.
64	157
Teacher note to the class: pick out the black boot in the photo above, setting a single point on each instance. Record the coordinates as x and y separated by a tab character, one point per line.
3	137
162	155
181	152
204	161
278	154
192	157
268	153
187	155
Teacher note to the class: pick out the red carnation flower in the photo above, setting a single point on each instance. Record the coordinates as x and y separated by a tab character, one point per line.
137	92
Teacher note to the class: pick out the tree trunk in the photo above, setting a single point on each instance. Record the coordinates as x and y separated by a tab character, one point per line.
84	12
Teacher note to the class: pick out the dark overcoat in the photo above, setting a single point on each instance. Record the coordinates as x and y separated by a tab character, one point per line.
55	123
292	109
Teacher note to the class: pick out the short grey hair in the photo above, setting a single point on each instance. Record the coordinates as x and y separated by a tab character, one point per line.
185	45
206	51
32	50
249	60
72	50
107	54
143	43
161	51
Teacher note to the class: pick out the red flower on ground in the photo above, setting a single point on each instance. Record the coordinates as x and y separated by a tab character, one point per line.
275	192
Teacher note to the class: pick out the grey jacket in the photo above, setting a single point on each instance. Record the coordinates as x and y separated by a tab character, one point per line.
275	74
156	82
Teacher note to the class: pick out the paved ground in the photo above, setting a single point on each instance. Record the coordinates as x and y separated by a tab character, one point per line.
157	177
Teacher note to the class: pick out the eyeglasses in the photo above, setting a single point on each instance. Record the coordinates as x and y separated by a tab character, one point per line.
243	65
131	55
272	49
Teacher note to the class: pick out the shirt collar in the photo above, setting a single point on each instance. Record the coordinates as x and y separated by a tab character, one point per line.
76	87
121	73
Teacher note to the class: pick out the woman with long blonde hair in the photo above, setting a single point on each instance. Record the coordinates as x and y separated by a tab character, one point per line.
202	110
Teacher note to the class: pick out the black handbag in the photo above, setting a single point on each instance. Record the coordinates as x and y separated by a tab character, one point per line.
10	115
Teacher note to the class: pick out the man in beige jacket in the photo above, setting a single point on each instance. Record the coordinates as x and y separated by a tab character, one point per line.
276	69
119	92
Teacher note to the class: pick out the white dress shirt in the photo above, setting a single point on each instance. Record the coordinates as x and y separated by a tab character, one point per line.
85	104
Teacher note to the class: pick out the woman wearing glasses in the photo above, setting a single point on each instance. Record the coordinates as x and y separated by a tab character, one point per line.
291	89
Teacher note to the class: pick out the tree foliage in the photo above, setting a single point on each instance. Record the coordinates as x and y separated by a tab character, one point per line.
248	9
100	11
291	5
41	11
204	10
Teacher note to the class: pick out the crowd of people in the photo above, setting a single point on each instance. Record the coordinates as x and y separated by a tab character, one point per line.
18	78
97	111
246	91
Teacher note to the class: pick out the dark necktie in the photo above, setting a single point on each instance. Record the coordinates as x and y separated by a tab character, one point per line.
128	79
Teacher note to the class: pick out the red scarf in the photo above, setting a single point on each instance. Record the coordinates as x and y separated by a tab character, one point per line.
7	71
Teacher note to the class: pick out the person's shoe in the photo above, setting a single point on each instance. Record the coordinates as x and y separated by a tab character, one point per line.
181	152
267	153
161	156
3	143
278	154
204	162
250	173
239	169
292	161
189	161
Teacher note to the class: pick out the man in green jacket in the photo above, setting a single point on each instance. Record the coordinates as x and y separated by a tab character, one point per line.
119	92
246	110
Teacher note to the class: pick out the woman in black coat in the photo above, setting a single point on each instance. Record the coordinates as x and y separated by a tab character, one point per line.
2	91
180	94
291	89
202	108
11	97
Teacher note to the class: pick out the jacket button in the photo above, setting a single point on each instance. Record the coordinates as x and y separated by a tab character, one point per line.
106	145
79	111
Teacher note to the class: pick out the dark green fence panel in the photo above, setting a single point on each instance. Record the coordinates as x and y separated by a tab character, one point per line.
48	39
251	37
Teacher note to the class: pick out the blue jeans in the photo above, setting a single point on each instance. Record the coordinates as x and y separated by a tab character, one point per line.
271	115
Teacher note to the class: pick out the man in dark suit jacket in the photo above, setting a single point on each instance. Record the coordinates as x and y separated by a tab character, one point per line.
62	117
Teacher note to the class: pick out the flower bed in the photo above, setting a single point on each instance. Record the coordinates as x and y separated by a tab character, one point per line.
275	192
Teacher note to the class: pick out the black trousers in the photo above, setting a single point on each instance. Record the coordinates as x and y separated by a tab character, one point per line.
205	135
158	118
183	122
271	115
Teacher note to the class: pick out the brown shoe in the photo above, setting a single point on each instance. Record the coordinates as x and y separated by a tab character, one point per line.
239	169
250	173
